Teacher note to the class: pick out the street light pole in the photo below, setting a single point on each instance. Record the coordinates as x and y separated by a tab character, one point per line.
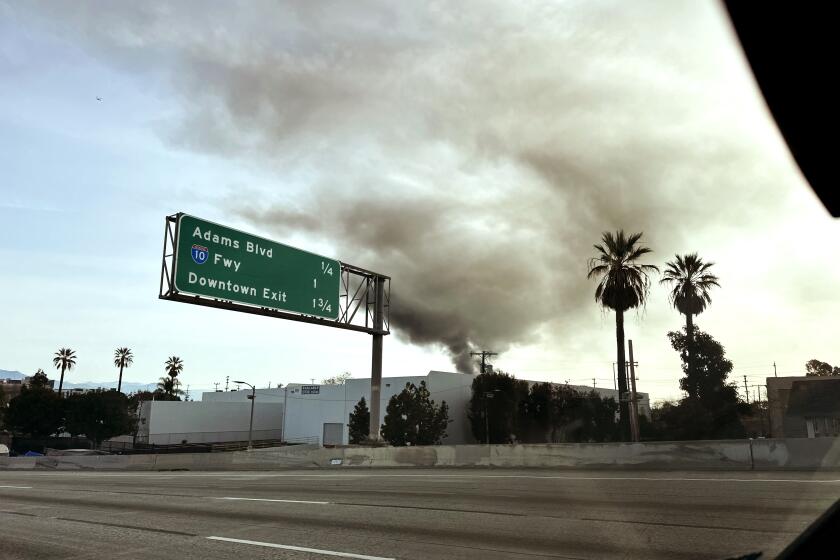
252	398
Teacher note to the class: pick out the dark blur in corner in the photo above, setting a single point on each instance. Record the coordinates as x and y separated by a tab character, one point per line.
791	50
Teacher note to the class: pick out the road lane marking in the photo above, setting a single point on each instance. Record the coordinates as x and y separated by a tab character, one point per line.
302	549
273	500
20	487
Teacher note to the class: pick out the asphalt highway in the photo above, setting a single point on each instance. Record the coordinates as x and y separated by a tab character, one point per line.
374	514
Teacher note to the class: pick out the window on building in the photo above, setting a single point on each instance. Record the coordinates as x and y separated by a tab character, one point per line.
823	426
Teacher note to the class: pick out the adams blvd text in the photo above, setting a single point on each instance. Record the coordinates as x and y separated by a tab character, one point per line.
233	243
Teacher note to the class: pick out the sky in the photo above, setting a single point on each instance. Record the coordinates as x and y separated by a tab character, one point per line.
474	152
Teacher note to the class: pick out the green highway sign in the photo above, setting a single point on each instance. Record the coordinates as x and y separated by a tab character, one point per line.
223	263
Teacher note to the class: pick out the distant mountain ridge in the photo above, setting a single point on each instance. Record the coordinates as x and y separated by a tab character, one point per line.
6	374
127	386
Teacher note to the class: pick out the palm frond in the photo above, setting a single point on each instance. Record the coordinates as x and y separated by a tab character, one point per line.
690	281
623	283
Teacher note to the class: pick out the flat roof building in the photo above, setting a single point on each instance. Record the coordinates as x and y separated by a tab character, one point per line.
320	413
804	406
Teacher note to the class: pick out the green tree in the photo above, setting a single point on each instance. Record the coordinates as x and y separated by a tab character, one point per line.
412	418
98	415
339	379
123	358
623	284
39	380
359	423
816	368
590	418
64	360
539	421
496	406
559	413
690	282
707	381
36	412
711	407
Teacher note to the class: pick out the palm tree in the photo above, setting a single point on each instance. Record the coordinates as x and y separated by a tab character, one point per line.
690	282
174	366
170	385
64	359
623	283
123	358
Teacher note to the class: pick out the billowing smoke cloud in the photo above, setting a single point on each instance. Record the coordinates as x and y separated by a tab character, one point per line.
472	151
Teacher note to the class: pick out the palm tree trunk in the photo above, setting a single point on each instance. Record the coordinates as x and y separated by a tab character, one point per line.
119	383
623	405
61	381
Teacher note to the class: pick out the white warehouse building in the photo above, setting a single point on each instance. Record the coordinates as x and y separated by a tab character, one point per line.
301	413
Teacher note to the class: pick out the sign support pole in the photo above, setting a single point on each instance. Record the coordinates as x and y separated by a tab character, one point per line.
376	358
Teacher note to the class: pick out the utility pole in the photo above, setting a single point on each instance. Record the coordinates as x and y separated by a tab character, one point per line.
227	379
774	370
593	383
216	385
484	355
746	390
634	408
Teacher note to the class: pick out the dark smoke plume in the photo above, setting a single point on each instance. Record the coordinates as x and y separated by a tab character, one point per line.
472	152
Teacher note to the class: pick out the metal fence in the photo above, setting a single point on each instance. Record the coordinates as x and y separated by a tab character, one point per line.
129	448
206	437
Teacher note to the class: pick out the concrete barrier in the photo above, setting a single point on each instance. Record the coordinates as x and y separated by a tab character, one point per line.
712	455
17	463
794	454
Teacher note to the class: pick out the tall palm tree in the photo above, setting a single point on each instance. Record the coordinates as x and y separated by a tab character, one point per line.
64	359
123	358
690	282
623	283
174	366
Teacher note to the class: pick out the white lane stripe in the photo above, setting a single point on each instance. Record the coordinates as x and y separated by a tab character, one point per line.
273	500
21	487
302	549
